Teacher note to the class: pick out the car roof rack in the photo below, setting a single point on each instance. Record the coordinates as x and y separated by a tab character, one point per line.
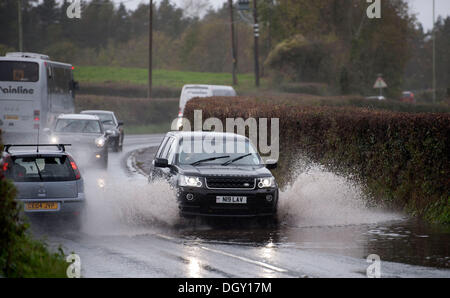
61	147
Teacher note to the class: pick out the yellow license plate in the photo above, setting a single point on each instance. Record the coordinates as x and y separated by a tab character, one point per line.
42	206
12	117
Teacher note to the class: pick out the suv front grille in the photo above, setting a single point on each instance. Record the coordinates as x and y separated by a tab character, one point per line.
230	182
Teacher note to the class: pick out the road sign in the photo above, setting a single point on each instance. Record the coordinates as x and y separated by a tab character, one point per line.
380	83
244	5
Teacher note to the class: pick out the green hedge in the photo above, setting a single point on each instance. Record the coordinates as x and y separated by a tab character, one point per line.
133	111
401	158
127	90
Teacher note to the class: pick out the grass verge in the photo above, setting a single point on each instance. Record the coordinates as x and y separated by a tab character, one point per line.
161	78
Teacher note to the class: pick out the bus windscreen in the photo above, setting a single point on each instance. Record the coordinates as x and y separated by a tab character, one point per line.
19	71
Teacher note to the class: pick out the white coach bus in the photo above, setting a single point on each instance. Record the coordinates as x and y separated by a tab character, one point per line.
33	92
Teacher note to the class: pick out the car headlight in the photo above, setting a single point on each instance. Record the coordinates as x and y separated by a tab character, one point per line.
101	182
54	140
190	181
100	142
266	182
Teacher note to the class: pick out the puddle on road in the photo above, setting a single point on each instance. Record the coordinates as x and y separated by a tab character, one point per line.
325	212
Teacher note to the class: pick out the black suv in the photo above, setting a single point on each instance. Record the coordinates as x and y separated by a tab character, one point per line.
216	174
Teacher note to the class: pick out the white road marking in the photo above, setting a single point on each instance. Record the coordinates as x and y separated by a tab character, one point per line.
247	260
262	264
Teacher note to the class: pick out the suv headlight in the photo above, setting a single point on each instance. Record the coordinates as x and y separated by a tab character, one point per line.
190	181
266	182
100	142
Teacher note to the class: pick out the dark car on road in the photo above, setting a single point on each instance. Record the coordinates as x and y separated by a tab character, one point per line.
112	126
216	174
48	181
87	136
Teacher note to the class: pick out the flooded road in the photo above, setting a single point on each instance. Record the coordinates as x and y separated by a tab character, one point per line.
132	229
405	241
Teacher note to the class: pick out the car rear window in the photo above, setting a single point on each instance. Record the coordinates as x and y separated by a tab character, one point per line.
38	168
18	71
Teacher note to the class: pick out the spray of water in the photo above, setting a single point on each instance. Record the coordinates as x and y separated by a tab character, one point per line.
117	205
318	197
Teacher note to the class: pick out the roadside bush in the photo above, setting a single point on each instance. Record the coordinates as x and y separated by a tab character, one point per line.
133	111
291	99
299	59
127	90
11	228
401	158
306	88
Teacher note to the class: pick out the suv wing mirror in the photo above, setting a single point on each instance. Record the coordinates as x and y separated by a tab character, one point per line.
161	163
120	123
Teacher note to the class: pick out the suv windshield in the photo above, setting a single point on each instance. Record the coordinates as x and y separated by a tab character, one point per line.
36	169
217	151
77	125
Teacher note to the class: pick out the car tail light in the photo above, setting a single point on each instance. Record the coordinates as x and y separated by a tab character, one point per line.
180	113
75	168
6	162
37	113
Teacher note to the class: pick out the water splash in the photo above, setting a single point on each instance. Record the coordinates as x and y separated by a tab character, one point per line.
318	197
116	204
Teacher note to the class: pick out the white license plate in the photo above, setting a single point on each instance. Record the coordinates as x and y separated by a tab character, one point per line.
231	200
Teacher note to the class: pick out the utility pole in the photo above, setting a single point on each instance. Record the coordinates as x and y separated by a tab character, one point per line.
434	52
150	50
256	35
233	43
19	16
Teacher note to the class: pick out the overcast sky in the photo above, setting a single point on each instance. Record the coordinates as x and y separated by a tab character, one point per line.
423	8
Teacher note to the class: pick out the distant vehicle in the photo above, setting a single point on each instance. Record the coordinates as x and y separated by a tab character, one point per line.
48	181
378	97
227	184
87	136
408	96
192	91
33	92
113	127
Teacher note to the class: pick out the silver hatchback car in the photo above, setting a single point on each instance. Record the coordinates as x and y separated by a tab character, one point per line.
48	181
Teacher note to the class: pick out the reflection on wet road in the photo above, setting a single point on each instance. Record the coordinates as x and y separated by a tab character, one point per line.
132	229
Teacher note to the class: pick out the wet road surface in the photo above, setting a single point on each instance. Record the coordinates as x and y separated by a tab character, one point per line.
132	229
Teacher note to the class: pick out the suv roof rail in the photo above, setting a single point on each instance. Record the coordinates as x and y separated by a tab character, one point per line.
61	147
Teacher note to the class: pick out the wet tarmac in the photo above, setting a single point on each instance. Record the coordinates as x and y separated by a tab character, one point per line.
132	229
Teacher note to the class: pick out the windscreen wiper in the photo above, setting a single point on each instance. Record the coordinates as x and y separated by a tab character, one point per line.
209	159
236	159
39	171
